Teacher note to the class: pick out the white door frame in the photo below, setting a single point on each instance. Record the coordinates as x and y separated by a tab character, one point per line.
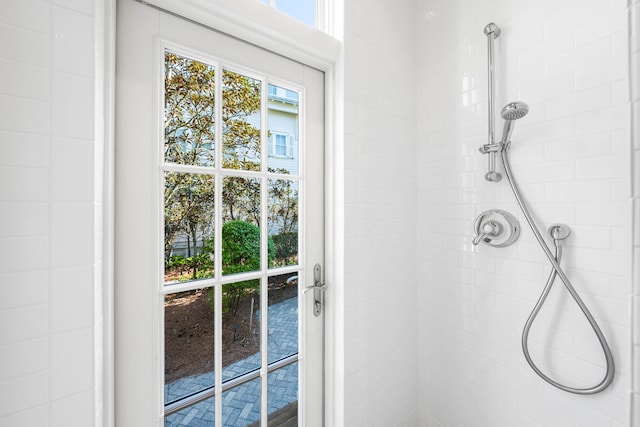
252	22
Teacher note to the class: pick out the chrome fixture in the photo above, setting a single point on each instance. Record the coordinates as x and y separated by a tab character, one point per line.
318	290
558	232
492	31
496	228
510	113
489	230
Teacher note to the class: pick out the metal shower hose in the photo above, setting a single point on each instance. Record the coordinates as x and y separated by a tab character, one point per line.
556	270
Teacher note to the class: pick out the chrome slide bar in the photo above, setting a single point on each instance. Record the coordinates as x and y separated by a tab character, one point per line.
491	148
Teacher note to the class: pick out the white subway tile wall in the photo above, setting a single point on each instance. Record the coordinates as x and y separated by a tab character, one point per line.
432	323
635	185
380	218
569	61
50	214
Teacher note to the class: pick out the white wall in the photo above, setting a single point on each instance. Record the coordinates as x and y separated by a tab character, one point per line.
571	155
380	217
50	214
569	61
635	106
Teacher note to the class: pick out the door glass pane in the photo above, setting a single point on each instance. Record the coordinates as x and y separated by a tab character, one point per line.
283	316
241	405
241	121
283	221
189	108
241	229
188	343
198	415
283	130
188	227
240	328
283	396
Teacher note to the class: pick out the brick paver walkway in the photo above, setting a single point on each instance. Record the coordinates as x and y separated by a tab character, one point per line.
241	405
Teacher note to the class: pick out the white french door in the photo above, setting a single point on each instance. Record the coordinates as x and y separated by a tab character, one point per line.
219	227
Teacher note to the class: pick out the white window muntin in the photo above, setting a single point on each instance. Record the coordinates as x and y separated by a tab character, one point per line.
219	173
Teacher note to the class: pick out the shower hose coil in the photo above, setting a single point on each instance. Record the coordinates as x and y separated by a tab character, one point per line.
556	270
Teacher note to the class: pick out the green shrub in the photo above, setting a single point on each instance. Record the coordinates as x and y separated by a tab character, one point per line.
286	244
202	262
176	262
240	253
241	247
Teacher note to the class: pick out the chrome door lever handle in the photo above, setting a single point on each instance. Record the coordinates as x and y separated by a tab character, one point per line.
318	288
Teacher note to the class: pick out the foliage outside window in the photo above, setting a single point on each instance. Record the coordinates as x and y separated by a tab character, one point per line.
189	197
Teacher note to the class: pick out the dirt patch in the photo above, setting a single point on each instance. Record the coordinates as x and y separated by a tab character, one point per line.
189	329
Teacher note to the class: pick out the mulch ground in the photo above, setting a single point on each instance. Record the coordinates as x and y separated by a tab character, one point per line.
189	333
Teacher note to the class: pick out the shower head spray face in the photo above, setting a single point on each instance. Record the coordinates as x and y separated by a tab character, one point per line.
511	112
514	110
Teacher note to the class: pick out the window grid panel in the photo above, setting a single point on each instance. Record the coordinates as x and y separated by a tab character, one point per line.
284	128
188	199
265	258
216	170
264	319
283	322
242	99
167	167
208	393
182	378
205	283
188	286
182	151
202	413
241	406
283	392
283	222
218	261
241	346
264	131
264	314
226	172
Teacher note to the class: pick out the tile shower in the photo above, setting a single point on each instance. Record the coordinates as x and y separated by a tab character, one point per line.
432	323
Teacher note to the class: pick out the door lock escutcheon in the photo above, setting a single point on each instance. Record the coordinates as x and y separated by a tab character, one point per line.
318	290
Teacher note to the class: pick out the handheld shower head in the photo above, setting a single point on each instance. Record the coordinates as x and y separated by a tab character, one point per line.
511	112
514	110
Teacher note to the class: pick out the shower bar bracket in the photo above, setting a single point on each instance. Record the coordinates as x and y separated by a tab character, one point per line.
490	148
492	31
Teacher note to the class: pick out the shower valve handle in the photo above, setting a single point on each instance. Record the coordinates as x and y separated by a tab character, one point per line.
489	229
496	228
480	238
